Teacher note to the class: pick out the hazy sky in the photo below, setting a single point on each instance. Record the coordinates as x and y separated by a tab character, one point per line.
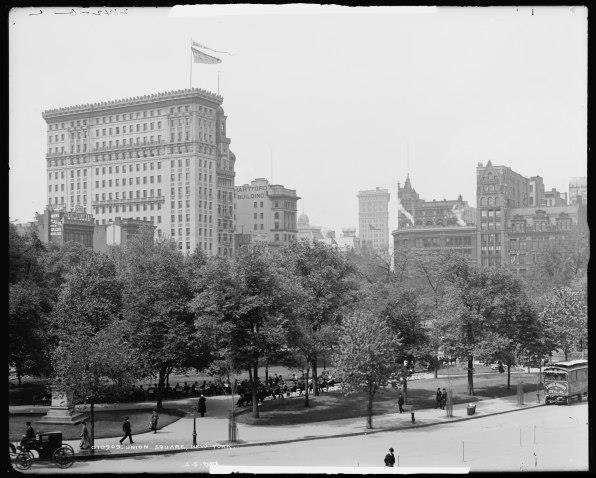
343	101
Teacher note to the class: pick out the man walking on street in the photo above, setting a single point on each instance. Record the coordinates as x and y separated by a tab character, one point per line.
390	458
443	399
438	398
400	403
127	431
202	407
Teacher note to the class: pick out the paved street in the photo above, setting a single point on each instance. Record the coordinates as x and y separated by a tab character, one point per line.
491	443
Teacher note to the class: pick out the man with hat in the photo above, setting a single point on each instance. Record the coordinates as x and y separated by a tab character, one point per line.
127	431
390	458
29	436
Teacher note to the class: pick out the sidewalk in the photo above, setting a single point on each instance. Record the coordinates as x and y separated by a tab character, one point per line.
212	433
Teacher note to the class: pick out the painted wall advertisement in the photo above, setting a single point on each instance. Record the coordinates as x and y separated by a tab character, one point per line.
56	224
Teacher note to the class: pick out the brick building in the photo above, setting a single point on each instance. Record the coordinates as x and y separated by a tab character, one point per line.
434	225
267	212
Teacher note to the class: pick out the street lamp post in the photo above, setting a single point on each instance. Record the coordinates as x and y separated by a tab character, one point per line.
194	428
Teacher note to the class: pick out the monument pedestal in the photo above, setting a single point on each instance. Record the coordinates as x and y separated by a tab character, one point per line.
61	411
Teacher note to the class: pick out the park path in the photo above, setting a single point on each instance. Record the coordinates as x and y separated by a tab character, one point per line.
212	432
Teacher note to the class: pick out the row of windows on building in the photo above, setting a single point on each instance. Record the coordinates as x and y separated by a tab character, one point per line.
116	182
202	148
565	224
131	208
60	200
131	128
532	244
131	195
72	186
203	110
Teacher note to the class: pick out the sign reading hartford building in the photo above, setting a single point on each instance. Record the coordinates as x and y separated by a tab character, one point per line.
251	192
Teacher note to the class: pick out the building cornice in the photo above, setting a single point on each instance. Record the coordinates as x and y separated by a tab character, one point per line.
134	101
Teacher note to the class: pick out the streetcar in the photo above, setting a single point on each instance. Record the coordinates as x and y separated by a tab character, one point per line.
565	380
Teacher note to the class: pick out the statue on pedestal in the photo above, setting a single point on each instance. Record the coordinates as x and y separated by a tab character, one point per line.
62	410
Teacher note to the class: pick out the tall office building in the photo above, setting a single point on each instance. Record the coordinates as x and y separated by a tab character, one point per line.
162	158
267	212
373	219
512	226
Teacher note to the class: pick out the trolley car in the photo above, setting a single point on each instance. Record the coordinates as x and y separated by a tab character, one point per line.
565	380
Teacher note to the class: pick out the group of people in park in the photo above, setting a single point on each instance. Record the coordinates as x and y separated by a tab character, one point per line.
441	398
276	387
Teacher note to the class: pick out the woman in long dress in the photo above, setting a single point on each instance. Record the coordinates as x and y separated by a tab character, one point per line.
153	421
85	438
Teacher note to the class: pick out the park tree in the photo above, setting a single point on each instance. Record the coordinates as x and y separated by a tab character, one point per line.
156	291
29	305
28	330
400	308
366	358
560	262
326	278
90	297
477	305
239	301
564	315
428	274
90	364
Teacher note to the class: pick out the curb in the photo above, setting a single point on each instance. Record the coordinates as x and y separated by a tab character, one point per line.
295	440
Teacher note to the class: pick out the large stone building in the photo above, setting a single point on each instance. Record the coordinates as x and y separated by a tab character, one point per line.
373	219
511	230
162	158
416	212
578	187
267	212
434	225
528	230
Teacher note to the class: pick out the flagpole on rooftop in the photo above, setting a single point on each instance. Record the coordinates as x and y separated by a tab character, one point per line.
190	81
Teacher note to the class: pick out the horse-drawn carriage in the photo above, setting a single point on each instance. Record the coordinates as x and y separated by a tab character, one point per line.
47	446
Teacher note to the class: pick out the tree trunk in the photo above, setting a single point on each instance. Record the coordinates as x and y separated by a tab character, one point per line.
92	418
369	410
405	380
19	375
255	397
540	371
167	380
159	392
508	377
315	378
266	371
306	402
566	352
470	375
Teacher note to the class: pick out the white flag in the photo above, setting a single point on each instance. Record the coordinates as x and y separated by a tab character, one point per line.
203	47
200	57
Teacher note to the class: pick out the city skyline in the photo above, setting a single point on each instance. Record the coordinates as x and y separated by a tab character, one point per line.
290	109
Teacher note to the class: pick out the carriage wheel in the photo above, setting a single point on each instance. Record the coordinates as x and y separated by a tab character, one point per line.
24	460
64	456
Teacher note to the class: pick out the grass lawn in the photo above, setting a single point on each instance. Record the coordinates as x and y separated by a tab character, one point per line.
333	405
107	423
